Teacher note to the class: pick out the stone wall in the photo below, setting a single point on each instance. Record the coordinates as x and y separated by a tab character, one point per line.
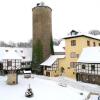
88	78
12	78
42	28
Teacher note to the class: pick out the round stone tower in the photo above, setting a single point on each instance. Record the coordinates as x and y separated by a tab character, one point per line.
42	30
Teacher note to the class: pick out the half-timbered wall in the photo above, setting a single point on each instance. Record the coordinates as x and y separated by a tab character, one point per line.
88	68
54	67
88	72
52	70
11	64
25	65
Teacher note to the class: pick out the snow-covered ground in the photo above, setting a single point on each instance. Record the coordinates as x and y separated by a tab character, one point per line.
44	88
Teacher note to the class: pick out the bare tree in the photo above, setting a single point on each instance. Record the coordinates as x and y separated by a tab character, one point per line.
94	32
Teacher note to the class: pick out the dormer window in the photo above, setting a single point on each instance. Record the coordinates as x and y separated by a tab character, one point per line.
23	57
73	32
21	51
6	50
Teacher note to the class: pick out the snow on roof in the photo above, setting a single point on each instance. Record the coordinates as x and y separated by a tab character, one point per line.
8	54
58	49
51	60
90	55
24	53
11	55
82	34
62	43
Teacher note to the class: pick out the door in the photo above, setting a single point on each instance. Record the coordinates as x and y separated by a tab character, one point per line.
47	73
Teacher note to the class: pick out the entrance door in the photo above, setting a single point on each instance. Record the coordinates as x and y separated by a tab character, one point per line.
77	76
47	73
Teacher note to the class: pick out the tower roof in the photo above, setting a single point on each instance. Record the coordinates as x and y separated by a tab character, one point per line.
41	4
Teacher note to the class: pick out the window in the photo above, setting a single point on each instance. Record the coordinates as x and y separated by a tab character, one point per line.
45	68
73	42
73	55
72	64
94	44
9	63
47	73
62	69
99	44
1	66
22	63
88	43
23	57
28	63
83	66
77	55
92	67
73	73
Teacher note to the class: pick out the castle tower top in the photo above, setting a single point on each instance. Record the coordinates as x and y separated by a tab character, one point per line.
41	4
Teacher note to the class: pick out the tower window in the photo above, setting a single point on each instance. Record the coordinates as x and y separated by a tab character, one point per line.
73	42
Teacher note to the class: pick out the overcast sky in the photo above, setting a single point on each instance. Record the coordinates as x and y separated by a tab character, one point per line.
16	17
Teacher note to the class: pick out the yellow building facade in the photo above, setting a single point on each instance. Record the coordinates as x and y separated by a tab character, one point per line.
65	65
52	66
73	48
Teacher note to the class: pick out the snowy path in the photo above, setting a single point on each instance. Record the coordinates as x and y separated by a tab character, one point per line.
73	83
43	89
80	85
